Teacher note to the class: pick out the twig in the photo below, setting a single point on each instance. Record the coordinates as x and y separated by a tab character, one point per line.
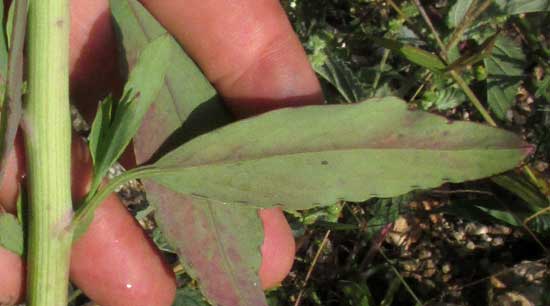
376	243
525	227
379	72
397	10
394	269
432	28
312	267
427	77
536	215
454	75
471	95
472	14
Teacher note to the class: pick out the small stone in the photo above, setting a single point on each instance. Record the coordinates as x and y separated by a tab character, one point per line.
410	265
470	245
429	272
446	268
424	254
541	166
498	241
459	235
497	283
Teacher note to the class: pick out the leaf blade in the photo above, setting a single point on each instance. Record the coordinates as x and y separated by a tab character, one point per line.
328	161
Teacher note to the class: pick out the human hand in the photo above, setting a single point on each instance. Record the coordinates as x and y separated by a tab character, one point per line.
249	52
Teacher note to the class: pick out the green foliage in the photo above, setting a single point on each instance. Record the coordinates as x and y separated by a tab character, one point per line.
116	125
385	211
514	7
262	161
189	297
505	71
413	54
357	294
457	12
11	234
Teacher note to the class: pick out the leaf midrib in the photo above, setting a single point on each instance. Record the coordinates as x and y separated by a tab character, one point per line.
273	156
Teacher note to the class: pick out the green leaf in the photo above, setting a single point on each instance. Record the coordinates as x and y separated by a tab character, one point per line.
11	234
188	106
505	72
457	12
189	297
112	132
444	98
377	148
524	190
384	211
357	293
11	107
413	54
514	7
338	74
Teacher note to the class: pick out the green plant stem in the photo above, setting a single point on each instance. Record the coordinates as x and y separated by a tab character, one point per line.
473	98
47	127
92	201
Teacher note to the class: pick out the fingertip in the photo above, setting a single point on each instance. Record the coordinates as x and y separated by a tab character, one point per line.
116	264
14	173
278	249
93	55
12	278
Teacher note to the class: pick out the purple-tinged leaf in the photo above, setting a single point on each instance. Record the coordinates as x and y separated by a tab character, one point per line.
210	238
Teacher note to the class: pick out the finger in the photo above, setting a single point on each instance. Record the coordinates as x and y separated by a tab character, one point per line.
12	278
15	171
247	48
115	263
93	57
278	246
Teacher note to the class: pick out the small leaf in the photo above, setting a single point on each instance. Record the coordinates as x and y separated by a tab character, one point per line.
443	98
457	12
111	133
524	190
263	161
505	72
11	234
338	74
413	54
475	55
514	7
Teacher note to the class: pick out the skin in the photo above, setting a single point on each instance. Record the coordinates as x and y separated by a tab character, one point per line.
254	60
